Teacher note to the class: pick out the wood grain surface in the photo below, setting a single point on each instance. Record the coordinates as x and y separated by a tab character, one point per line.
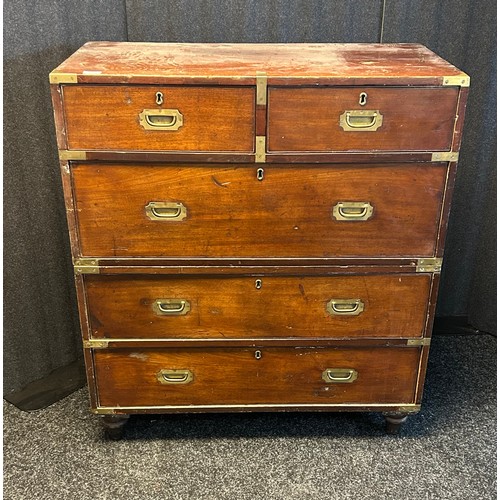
233	308
128	377
414	119
232	214
107	117
122	62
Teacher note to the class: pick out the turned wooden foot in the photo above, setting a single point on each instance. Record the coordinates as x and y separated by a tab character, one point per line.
113	425
393	422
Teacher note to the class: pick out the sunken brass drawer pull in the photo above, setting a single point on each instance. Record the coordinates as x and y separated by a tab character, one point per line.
166	211
352	210
167	376
339	375
361	120
171	307
345	307
161	119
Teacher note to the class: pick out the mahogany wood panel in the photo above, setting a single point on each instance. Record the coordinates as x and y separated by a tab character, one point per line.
232	214
225	308
57	107
128	377
122	62
414	119
459	125
107	117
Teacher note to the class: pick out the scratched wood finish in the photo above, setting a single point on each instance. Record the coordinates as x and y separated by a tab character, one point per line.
359	64
107	117
234	376
225	308
231	213
414	119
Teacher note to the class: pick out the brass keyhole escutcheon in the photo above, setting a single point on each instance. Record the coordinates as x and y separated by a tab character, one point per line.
363	98
159	98
258	354
260	174
258	284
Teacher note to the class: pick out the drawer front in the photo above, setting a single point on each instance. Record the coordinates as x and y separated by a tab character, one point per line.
393	119
243	308
190	118
295	211
189	377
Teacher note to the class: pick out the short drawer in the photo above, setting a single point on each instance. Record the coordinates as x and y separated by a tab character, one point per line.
333	119
100	117
294	211
223	308
232	376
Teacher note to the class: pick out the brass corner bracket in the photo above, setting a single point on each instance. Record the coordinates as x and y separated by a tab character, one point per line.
86	266
66	155
103	411
429	265
408	408
445	156
95	344
56	78
419	342
462	80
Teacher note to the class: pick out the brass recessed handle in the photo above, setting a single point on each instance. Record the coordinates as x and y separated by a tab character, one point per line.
361	120
339	375
165	210
352	210
171	307
167	376
345	307
161	119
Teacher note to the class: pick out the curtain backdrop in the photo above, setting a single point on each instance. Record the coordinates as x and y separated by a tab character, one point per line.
41	331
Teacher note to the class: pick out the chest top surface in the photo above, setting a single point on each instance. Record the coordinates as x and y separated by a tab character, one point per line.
341	64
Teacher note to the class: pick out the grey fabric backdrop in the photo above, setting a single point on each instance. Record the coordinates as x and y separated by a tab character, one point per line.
40	318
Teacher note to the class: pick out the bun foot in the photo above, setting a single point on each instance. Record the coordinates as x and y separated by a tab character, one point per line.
393	422
114	425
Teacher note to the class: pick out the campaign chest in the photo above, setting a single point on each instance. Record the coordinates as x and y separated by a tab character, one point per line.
257	227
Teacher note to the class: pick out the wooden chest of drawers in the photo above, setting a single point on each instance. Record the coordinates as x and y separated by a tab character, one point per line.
257	227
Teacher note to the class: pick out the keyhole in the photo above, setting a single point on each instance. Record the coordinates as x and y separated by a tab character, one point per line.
363	97
258	355
258	284
159	98
260	174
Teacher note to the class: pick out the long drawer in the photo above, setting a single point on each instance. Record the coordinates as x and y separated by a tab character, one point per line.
292	211
188	118
361	119
164	307
191	377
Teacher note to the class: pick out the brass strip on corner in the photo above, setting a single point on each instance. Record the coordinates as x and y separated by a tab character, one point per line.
462	80
86	266
445	156
419	342
63	78
65	155
429	265
261	84
260	149
103	411
95	344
